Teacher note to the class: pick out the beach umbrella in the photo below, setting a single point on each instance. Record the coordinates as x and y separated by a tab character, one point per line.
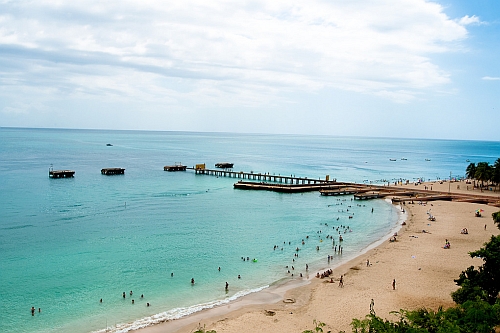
480	210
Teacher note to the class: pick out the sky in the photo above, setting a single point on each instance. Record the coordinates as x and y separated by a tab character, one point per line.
381	68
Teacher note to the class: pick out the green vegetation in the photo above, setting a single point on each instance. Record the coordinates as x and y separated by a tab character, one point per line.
470	317
482	283
496	218
484	172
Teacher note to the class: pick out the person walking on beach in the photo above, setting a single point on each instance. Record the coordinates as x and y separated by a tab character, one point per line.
394	284
341	281
372	304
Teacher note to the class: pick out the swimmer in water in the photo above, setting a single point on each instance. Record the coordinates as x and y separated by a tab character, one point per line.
192	280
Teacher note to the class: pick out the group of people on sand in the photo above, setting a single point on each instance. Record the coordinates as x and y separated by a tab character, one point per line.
325	274
464	231
447	245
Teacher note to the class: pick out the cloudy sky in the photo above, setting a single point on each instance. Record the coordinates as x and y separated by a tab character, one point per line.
392	68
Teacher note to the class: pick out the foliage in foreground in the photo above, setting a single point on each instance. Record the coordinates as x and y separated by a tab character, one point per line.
470	317
484	282
496	218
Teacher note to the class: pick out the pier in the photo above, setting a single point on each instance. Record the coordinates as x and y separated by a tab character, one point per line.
259	176
113	171
61	173
176	167
224	165
284	188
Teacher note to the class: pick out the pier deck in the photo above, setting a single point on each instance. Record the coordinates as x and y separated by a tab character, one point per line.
284	188
112	171
177	167
260	176
61	173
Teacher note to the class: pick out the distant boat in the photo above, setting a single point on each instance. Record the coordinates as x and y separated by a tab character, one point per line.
427	159
404	159
467	160
109	144
392	159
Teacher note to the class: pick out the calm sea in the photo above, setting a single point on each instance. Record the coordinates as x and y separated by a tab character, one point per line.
67	243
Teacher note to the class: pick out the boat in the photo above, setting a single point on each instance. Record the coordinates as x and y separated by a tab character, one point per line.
109	144
467	160
427	159
404	159
392	159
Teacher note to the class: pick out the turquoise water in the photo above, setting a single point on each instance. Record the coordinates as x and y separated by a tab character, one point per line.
67	243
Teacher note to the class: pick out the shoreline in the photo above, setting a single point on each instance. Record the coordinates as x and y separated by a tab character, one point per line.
423	279
273	293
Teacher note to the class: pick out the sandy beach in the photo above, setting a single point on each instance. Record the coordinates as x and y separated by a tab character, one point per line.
422	269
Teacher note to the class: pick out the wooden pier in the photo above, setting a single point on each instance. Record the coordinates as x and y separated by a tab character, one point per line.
343	190
61	173
283	188
177	167
368	195
113	171
260	176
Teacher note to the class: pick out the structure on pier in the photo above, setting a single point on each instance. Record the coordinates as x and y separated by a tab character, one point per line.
224	165
175	167
61	173
113	171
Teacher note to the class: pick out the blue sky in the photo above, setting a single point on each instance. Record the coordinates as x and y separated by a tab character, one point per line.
406	68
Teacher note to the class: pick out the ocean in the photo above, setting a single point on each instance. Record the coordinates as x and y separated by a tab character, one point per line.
65	244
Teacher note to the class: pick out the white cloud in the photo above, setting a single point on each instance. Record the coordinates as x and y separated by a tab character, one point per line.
466	20
490	78
226	52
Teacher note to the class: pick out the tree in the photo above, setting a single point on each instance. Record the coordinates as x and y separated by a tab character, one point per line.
483	172
470	172
496	172
496	218
482	283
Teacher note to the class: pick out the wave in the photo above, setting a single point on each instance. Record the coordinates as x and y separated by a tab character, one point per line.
174	314
18	227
